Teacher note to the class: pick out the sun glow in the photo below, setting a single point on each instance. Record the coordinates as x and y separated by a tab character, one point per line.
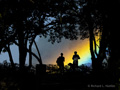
82	50
51	52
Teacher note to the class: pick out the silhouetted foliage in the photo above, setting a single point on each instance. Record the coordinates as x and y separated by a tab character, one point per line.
24	23
101	15
22	20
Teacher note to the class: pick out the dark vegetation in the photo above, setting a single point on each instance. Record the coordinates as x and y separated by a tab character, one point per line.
22	20
35	79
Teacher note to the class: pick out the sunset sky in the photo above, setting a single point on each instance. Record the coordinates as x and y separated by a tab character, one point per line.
50	52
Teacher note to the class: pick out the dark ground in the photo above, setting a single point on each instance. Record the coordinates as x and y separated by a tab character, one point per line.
14	80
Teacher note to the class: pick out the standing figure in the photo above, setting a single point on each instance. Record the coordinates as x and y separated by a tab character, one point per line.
75	59
60	63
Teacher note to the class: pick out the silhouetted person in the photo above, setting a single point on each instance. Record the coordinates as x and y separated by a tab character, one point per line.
60	63
75	59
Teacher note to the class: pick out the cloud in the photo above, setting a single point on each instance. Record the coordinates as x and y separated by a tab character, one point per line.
50	52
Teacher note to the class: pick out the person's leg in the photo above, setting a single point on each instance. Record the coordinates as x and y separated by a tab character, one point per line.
77	63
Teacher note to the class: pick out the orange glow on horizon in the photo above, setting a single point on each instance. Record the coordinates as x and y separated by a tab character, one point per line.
82	50
81	46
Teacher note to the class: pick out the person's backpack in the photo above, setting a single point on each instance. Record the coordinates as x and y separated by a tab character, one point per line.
58	61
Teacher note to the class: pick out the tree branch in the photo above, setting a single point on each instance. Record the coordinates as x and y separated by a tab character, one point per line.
38	52
30	52
95	45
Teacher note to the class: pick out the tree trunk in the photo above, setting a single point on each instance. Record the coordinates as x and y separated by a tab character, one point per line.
38	52
95	46
102	49
30	56
10	56
33	55
30	52
22	52
22	46
91	47
91	35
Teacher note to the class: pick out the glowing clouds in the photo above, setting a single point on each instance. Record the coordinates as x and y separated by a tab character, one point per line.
50	52
83	51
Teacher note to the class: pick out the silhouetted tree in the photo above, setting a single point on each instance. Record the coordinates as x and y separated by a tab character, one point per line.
63	18
26	22
10	16
6	40
103	14
25	25
93	18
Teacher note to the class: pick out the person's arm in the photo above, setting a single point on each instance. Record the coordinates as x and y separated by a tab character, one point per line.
73	57
64	59
78	57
